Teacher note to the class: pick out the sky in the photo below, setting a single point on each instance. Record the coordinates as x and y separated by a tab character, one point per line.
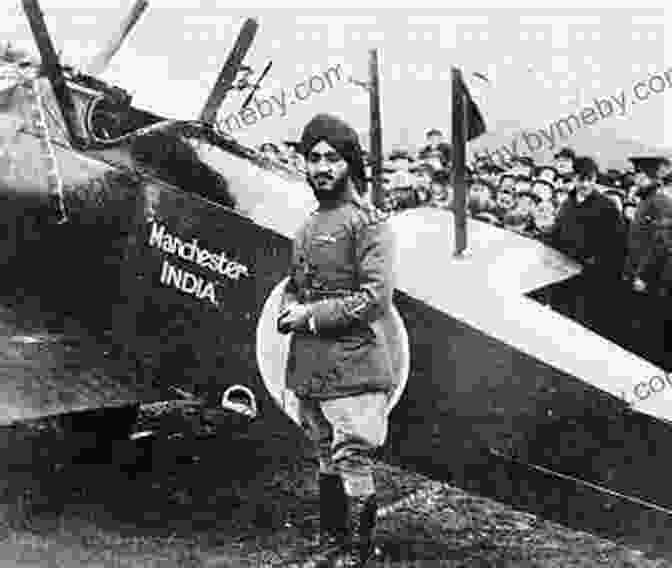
541	64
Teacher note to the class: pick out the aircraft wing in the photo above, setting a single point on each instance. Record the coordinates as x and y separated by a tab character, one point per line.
499	261
486	290
45	373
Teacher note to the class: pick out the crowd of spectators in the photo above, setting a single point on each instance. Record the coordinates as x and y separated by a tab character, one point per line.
619	221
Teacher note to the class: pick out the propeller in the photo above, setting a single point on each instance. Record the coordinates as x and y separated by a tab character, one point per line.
229	71
102	59
255	87
51	67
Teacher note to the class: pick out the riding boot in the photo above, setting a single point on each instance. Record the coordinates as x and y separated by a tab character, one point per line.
333	509
358	547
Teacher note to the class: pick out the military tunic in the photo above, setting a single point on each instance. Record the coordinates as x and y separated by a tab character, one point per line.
342	268
650	240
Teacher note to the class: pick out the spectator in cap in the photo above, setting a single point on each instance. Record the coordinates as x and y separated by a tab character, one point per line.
564	161
590	228
649	169
434	137
436	152
270	150
481	197
423	179
649	264
505	201
614	178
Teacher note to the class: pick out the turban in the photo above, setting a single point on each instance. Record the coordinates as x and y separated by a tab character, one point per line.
340	136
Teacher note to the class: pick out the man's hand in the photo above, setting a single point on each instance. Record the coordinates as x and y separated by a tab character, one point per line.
294	318
639	285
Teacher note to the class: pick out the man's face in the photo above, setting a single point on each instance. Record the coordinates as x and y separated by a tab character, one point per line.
525	204
434	140
560	197
505	199
481	166
642	179
629	212
269	151
480	197
544	215
543	191
585	185
664	170
401	164
507	183
327	169
548	175
564	165
289	151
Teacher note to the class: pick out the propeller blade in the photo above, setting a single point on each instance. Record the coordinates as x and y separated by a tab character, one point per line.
256	85
52	69
228	73
102	59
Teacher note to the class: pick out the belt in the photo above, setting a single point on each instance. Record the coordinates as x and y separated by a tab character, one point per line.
320	294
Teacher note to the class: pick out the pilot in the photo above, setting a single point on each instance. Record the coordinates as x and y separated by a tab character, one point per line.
339	366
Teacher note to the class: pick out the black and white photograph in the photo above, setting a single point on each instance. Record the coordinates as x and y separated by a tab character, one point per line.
350	286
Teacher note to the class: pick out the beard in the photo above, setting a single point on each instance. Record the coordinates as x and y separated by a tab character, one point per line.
334	194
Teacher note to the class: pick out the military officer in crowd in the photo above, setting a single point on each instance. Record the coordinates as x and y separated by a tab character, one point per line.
648	265
338	295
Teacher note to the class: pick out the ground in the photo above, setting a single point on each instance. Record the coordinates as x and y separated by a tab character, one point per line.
249	499
220	491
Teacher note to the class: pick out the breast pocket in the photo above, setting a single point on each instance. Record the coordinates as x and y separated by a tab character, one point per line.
333	251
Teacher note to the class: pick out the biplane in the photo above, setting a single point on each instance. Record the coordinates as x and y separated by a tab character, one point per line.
175	239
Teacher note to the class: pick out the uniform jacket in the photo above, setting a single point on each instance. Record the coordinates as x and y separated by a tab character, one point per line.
594	229
342	267
650	240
